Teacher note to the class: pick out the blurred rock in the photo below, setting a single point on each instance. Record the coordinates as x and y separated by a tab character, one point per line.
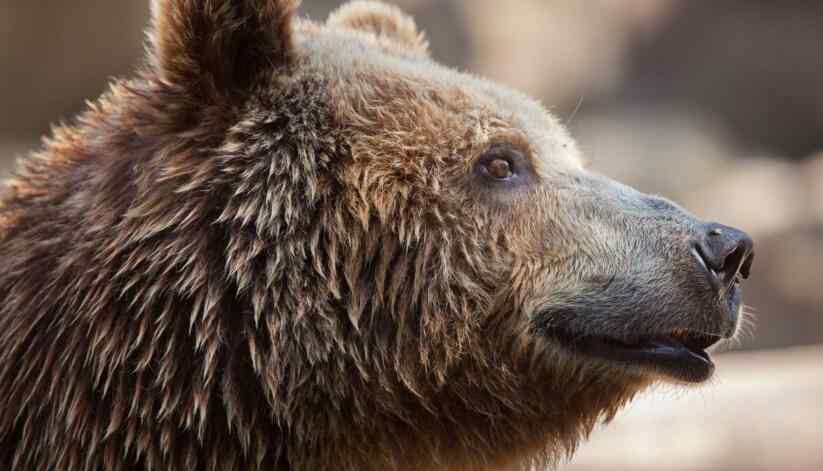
761	412
755	63
558	50
654	149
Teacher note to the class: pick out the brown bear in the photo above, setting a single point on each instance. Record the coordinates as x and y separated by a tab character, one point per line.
287	245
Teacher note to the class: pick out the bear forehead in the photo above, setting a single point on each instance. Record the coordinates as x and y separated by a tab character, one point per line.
352	57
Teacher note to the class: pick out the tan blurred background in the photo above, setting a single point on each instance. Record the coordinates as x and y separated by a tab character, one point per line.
718	105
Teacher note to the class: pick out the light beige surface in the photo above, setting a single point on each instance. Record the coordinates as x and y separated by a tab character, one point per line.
763	411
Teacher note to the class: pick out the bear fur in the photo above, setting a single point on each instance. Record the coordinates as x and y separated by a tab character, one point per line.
269	251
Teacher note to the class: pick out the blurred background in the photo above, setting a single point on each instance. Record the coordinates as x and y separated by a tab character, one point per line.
717	105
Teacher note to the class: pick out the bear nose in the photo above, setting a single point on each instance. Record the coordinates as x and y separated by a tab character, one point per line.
725	253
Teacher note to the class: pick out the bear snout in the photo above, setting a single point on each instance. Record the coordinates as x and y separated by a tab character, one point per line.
725	255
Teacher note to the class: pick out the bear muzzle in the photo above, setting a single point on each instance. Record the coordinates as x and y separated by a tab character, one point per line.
671	295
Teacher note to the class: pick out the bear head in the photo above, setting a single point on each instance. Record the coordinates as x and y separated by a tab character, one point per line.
294	245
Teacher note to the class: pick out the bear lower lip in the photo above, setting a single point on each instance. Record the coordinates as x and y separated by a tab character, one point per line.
679	356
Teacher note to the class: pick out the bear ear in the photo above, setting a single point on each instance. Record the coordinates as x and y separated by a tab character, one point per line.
220	46
383	21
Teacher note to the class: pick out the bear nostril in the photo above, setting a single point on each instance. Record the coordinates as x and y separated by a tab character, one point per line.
707	265
726	254
746	267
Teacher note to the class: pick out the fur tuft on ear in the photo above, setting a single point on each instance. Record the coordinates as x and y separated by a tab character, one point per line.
383	20
220	46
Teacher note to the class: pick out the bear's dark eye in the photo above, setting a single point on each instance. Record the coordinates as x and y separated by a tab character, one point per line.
500	169
503	163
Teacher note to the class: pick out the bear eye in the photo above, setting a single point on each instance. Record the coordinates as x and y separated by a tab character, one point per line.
503	163
500	169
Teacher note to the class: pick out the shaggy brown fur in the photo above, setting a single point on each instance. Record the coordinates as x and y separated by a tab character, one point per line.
270	252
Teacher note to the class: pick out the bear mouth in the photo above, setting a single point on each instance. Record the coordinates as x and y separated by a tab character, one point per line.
679	355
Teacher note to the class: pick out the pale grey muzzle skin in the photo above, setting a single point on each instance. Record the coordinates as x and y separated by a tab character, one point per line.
631	272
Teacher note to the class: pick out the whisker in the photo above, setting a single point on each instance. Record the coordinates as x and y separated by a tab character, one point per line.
570	119
745	329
